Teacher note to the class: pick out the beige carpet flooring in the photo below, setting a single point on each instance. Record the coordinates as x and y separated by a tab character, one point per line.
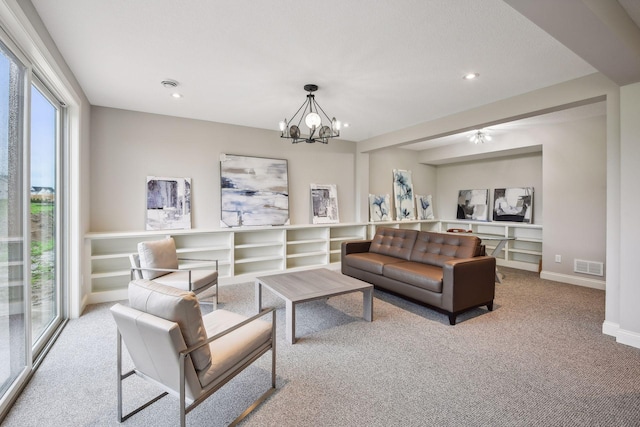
539	359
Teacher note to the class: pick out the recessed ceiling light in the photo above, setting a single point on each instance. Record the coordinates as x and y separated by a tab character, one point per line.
345	125
169	84
471	76
176	95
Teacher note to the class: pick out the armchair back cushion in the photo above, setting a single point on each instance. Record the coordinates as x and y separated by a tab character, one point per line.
438	248
393	242
157	254
177	306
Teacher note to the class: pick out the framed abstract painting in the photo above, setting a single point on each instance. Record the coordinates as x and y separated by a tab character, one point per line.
168	203
324	203
253	191
473	204
513	204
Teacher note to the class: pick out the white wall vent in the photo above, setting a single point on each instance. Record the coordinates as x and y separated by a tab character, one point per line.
588	267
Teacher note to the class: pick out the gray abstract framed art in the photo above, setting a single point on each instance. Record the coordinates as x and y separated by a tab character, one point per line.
253	191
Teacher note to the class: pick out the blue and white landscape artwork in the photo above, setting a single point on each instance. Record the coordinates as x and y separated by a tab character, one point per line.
254	191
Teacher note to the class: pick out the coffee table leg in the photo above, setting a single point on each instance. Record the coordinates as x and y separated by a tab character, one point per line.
258	296
367	307
291	321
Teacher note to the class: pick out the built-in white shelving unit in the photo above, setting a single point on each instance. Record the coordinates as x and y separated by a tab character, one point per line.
523	252
244	253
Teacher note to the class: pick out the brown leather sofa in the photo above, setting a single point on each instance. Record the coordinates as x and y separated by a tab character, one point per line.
444	271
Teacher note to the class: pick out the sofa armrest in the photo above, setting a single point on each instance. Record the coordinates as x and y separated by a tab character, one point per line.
355	246
468	282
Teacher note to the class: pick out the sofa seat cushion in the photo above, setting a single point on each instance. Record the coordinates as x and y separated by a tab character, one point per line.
371	262
423	276
231	349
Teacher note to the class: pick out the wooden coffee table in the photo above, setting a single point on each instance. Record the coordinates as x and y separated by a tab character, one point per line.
309	285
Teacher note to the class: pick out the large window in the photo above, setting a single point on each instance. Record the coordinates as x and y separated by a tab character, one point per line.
31	292
44	201
13	284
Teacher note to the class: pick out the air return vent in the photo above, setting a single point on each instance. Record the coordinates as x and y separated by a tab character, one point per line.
588	267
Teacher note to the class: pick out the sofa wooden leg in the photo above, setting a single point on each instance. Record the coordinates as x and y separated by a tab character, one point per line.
490	306
452	319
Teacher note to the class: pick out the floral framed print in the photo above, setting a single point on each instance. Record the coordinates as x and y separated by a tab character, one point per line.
379	207
403	195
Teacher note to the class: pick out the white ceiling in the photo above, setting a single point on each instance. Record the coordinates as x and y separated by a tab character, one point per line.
502	130
380	66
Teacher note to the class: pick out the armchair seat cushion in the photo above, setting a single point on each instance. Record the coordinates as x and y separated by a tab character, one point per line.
232	348
180	279
423	276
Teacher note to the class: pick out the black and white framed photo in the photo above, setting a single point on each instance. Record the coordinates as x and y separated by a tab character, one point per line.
324	203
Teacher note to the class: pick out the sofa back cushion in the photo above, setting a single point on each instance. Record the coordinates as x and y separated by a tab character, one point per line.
393	242
438	248
174	305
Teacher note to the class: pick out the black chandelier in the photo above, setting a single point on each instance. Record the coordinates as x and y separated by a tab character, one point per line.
311	113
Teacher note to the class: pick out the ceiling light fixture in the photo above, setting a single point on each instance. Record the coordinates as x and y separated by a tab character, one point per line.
169	84
480	137
471	76
311	114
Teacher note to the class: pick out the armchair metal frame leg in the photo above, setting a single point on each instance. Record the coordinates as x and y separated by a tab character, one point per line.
123	417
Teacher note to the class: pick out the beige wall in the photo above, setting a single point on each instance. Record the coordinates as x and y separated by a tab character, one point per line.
569	180
629	297
575	195
381	166
128	146
520	171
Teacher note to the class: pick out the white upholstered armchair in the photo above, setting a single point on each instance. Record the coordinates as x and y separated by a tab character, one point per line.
158	260
186	354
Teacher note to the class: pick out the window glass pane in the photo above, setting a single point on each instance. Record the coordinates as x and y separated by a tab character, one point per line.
12	284
44	291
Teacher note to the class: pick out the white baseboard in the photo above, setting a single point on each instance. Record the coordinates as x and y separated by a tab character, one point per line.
628	338
108	296
573	280
610	328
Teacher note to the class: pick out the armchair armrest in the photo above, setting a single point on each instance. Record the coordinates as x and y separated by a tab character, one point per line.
172	270
199	259
468	282
166	270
